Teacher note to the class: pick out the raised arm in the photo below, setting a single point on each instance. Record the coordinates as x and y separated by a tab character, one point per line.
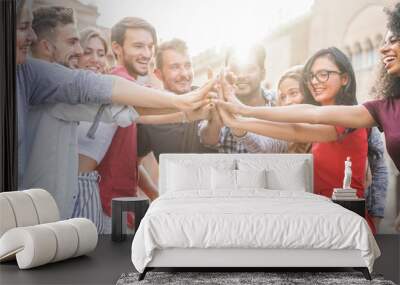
146	184
53	83
347	116
177	117
256	143
295	132
121	115
129	93
209	130
155	98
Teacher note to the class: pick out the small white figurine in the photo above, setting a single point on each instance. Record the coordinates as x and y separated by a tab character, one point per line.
347	174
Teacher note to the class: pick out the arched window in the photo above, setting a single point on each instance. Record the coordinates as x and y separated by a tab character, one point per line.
357	56
378	42
370	54
347	51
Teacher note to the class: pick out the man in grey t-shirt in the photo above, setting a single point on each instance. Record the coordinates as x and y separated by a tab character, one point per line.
51	152
174	69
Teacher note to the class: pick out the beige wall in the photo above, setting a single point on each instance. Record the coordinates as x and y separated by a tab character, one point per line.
276	65
339	23
332	19
287	47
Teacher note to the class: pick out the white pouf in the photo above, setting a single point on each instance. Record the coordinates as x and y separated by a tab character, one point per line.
32	246
45	205
7	220
31	233
67	238
23	208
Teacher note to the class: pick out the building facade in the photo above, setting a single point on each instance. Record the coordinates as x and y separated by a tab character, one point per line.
357	27
86	14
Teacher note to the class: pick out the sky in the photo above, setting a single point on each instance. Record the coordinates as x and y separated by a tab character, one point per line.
206	24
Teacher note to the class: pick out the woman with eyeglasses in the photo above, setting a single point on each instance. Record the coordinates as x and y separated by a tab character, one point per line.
291	93
328	79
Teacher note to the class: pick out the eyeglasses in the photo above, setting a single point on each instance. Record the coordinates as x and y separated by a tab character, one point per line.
321	76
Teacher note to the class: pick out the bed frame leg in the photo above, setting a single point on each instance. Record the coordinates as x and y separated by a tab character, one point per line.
143	274
365	272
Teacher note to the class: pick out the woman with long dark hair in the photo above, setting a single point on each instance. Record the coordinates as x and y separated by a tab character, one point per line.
291	93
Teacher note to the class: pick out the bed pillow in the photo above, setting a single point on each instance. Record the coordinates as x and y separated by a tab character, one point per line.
251	178
288	174
295	180
231	180
223	179
183	177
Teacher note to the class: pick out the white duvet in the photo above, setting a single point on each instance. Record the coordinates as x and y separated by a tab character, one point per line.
250	219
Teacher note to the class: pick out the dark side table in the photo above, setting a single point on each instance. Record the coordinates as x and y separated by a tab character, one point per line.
355	205
121	205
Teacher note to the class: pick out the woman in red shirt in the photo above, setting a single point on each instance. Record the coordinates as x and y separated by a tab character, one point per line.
328	79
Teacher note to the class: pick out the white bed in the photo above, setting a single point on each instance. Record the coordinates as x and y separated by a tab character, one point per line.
247	210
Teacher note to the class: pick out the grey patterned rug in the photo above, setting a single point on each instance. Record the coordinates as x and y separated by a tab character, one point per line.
243	278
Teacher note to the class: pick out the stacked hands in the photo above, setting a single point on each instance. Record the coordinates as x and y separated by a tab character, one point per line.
216	100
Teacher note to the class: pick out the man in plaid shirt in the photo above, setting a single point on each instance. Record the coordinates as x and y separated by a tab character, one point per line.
250	74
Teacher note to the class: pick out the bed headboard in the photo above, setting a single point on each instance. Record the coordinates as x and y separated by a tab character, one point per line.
285	167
